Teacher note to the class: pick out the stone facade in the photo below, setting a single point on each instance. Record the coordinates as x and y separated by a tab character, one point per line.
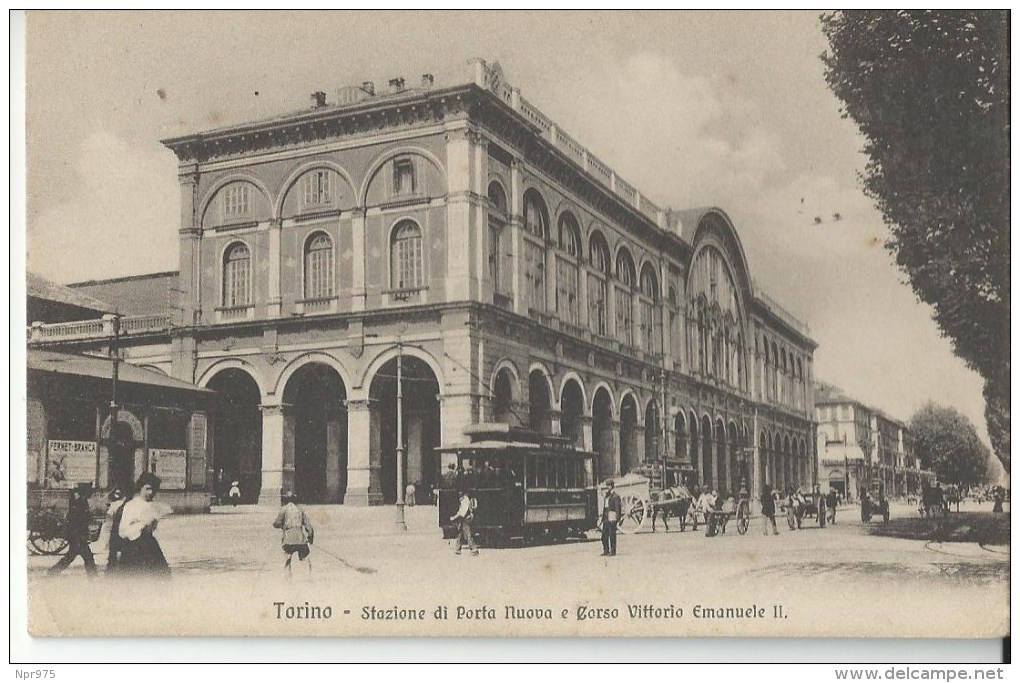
457	238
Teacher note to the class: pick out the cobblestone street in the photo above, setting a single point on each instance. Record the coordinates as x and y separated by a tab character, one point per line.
228	578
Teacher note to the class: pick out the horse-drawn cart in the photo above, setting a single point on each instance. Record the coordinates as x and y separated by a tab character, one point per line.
46	523
639	501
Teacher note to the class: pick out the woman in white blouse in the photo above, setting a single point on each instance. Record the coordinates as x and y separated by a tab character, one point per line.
140	551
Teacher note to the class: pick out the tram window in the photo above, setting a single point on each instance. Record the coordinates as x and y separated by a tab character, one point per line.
532	479
589	474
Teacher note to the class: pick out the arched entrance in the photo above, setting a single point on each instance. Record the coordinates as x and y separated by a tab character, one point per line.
707	445
602	431
572	406
420	425
236	434
315	395
680	437
733	459
695	452
539	402
503	398
653	433
628	434
122	448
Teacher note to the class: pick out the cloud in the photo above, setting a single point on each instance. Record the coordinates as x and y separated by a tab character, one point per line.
120	216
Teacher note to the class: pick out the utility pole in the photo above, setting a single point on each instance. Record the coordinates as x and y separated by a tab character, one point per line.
401	522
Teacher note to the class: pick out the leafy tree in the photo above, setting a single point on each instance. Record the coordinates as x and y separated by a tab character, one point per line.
929	91
946	442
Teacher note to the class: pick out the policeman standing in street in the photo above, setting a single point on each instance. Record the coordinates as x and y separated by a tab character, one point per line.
611	510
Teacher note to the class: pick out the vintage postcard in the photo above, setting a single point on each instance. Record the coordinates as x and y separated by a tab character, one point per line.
517	324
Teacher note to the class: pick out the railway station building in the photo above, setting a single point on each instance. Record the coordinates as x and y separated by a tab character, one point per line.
457	238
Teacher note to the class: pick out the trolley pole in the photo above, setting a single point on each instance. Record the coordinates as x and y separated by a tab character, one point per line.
401	522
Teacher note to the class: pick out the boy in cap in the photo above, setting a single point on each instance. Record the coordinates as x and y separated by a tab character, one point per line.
298	532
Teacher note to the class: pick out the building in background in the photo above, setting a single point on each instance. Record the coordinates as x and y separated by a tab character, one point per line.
457	239
858	444
76	436
49	302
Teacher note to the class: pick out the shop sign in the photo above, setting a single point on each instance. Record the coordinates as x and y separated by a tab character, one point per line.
171	466
70	462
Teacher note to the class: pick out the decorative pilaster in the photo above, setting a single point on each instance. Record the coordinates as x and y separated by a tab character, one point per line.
277	453
516	239
358	260
461	240
363	485
587	438
273	300
189	254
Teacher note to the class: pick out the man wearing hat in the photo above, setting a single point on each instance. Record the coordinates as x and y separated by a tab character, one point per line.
611	510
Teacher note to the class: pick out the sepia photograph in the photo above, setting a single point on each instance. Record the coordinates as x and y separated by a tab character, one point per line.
516	324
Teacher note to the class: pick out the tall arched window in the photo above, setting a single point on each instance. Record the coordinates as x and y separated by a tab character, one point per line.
318	266
775	372
536	220
675	336
568	270
237	275
598	284
405	255
500	268
625	297
651	327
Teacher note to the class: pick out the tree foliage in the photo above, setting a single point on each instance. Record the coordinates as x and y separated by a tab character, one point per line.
929	91
946	442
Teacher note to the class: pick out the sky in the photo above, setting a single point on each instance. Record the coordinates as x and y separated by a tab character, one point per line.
693	108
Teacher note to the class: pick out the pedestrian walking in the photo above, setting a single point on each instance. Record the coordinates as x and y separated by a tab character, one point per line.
831	501
298	532
792	512
140	552
235	493
465	515
409	495
108	536
768	511
76	529
998	496
821	506
612	508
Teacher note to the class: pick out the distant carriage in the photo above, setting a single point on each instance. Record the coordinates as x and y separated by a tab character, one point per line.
642	500
874	502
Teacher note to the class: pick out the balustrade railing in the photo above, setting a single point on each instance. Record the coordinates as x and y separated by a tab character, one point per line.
97	329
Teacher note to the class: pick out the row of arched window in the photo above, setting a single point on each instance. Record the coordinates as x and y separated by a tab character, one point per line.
602	278
784	381
318	271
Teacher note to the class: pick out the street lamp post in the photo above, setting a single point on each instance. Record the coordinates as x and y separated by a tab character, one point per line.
114	406
401	522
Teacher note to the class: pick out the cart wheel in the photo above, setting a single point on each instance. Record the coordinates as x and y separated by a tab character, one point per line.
47	544
634	511
743	519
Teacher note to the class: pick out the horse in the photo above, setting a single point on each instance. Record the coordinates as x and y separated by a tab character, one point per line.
675	500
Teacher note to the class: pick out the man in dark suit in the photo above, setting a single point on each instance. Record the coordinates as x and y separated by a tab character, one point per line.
611	511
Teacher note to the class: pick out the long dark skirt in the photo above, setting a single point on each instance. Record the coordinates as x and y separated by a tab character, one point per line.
143	556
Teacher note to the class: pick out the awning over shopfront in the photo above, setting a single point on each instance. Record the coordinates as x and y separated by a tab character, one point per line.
102	368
